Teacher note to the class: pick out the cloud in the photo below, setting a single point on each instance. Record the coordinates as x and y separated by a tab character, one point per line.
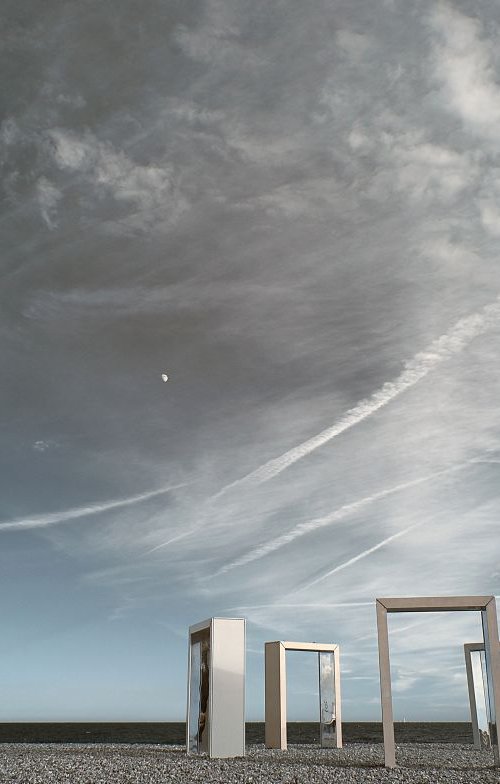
339	215
409	163
44	520
360	556
426	169
150	190
217	39
424	362
464	65
72	152
9	131
339	514
356	45
42	446
294	605
48	197
490	215
309	198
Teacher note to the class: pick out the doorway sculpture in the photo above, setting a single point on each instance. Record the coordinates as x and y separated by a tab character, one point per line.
486	605
329	692
216	688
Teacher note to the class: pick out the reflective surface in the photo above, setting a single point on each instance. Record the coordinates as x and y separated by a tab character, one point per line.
327	716
194	696
480	680
204	695
488	685
199	686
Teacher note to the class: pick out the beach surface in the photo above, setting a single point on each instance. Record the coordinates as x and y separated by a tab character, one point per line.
418	763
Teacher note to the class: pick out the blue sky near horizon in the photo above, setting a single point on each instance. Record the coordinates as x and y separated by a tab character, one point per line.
293	210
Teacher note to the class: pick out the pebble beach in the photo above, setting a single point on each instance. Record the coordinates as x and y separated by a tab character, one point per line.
77	763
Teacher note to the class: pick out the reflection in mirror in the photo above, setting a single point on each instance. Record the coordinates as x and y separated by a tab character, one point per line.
327	716
198	717
194	696
487	679
204	694
479	677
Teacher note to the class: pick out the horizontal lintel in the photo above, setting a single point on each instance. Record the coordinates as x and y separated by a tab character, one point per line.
308	646
435	603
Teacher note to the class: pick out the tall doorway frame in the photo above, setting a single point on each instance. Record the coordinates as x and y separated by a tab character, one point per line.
486	605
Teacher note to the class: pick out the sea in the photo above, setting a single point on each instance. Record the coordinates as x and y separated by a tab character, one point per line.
175	732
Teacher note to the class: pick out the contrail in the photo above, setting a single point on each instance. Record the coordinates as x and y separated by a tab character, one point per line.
356	558
415	369
279	606
319	522
44	520
173	539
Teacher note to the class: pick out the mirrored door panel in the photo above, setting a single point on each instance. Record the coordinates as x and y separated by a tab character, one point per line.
486	666
194	696
199	687
327	716
479	674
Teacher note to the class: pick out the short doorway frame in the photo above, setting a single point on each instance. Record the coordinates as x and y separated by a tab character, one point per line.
275	689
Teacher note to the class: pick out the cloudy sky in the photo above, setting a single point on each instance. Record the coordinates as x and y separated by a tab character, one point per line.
293	210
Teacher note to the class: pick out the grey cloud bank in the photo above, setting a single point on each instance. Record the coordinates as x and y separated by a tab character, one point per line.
294	208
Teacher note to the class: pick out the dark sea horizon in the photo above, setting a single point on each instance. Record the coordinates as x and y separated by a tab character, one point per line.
174	732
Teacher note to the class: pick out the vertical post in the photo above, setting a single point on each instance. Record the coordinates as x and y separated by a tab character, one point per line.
326	693
211	728
227	688
492	653
338	710
385	686
188	717
275	695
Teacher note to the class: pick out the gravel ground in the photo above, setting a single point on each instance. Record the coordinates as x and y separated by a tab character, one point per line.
29	763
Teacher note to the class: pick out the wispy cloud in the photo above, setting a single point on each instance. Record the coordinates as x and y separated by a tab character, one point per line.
295	605
41	446
464	64
339	514
150	191
66	515
176	538
415	369
111	170
360	556
48	197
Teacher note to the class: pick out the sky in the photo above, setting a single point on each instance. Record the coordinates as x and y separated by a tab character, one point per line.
292	209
